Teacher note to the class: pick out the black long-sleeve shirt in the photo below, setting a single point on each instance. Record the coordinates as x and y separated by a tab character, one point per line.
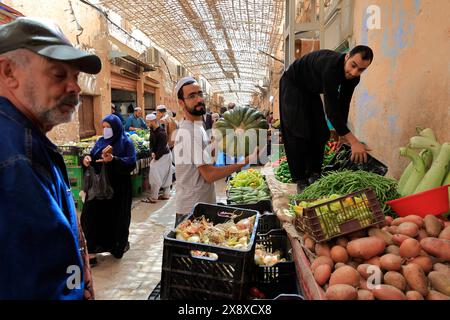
158	142
322	71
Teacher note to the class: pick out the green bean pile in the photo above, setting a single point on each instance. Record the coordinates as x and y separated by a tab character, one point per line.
346	181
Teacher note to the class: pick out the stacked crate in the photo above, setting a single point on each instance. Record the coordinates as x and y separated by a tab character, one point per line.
71	156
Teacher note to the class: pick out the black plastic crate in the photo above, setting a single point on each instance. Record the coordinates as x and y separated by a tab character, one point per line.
189	277
280	278
263	206
342	161
156	293
267	222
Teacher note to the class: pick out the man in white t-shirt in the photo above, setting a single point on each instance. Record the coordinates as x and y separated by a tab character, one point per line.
194	165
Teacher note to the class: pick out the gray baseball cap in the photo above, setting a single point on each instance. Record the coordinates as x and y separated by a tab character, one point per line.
45	38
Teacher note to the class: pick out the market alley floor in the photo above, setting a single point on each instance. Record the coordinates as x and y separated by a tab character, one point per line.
135	275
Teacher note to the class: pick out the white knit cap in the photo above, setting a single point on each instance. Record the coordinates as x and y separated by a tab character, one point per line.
161	107
182	82
150	117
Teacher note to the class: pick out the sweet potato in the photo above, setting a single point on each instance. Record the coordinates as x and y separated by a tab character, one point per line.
397	221
395	279
432	225
322	274
413	295
363	284
439	248
445	234
310	244
393	249
424	262
341	292
365	295
341	241
321	260
418	220
387	292
366	270
338	265
441	267
374	261
409	229
435	295
440	281
391	262
339	254
385	236
410	248
399	238
388	220
415	278
392	229
421	235
322	249
345	275
366	247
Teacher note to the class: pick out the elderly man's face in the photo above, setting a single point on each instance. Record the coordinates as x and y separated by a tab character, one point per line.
48	89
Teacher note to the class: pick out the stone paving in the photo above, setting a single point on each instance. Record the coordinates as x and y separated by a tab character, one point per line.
135	275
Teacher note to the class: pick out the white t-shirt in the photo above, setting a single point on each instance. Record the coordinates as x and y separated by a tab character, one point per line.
191	151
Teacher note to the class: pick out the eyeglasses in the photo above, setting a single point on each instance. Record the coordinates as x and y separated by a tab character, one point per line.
194	95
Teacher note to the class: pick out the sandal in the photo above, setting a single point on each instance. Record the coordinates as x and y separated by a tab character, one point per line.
163	198
148	200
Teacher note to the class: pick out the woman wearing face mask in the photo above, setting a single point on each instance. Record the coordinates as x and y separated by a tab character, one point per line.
106	222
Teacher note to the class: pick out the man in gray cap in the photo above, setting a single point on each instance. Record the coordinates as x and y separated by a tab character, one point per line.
39	234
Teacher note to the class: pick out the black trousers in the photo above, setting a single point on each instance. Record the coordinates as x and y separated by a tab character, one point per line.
303	128
305	157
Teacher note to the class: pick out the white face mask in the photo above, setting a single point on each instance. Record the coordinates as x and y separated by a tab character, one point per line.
107	133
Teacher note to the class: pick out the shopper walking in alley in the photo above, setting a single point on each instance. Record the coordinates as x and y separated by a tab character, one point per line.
161	169
39	236
135	121
194	164
168	123
303	122
106	217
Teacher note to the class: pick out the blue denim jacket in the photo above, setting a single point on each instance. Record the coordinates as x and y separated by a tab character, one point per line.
39	250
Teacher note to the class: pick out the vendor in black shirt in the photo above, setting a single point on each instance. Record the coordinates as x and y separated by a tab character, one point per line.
161	169
303	122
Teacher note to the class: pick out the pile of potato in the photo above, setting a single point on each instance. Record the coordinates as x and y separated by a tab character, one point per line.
409	257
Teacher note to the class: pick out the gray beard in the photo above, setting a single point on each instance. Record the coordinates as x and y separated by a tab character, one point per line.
48	116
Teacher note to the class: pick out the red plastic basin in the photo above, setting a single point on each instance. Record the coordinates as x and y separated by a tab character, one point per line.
434	201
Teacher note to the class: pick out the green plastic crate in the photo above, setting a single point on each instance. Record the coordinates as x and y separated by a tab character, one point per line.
71	160
136	181
76	193
75	177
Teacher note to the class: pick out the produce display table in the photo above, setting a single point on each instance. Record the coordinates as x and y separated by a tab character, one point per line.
311	290
280	198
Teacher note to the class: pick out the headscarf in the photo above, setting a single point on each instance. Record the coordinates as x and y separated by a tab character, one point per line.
122	145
